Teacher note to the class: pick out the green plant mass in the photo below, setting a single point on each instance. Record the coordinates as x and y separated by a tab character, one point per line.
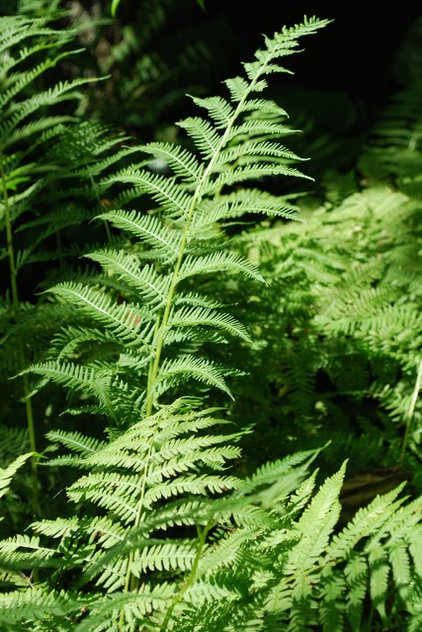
210	345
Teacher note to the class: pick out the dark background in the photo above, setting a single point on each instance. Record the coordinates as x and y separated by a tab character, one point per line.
343	79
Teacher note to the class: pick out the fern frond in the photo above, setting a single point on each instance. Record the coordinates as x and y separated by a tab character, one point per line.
6	474
218	262
182	161
198	368
317	522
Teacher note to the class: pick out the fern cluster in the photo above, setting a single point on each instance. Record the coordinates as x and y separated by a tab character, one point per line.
162	528
48	163
340	326
167	545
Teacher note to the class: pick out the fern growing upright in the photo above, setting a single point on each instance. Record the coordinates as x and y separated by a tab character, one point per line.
158	340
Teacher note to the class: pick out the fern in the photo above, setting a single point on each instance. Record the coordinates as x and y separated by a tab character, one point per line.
8	473
48	161
168	236
340	327
394	148
158	533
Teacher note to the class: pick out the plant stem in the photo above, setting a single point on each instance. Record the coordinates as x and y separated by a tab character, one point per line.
191	578
410	412
131	582
20	345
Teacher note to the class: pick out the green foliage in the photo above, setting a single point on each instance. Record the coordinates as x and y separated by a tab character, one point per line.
266	554
340	324
7	474
182	333
48	162
395	144
178	240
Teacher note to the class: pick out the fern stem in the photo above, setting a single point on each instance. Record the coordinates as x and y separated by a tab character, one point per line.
130	581
410	412
189	215
20	346
371	616
190	579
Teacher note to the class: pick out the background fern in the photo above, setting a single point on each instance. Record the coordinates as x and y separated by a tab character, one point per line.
345	347
45	200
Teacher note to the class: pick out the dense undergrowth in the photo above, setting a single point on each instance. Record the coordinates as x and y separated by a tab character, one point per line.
210	364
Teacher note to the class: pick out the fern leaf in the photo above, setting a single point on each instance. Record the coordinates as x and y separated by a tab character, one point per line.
75	441
125	321
400	566
200	485
74	376
188	316
146	280
367	520
204	135
163	189
356	574
219	109
253	149
199	368
238	203
165	556
253	172
182	161
331	610
146	227
218	262
317	522
6	474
